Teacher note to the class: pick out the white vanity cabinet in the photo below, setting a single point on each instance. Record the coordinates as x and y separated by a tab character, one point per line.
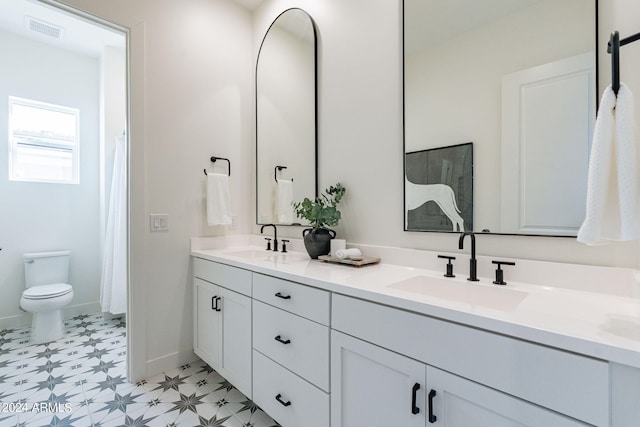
376	387
222	320
291	351
312	355
373	386
476	375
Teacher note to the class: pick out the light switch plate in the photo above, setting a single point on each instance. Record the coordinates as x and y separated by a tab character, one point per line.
159	222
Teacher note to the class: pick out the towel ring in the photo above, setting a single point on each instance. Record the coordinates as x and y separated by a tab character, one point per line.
214	158
275	172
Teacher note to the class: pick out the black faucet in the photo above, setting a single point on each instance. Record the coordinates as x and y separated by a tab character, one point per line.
473	263
275	235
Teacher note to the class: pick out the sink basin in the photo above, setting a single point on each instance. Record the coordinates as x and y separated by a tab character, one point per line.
490	296
257	254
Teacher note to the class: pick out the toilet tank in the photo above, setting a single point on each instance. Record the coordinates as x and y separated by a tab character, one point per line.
45	268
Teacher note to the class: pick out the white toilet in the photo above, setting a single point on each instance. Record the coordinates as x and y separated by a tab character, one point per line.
46	277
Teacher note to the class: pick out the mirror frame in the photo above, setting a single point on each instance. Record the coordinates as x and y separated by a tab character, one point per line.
315	104
404	154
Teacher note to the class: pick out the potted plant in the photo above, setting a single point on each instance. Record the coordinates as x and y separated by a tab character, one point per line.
321	214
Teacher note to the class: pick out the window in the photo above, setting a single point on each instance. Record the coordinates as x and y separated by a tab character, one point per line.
43	142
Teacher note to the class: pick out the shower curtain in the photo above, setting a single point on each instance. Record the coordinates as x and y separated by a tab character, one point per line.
113	284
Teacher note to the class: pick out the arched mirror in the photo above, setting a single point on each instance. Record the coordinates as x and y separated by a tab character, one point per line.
286	137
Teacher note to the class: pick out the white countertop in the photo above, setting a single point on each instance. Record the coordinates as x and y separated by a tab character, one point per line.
591	323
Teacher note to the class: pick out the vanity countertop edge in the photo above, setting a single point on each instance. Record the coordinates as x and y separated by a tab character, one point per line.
596	325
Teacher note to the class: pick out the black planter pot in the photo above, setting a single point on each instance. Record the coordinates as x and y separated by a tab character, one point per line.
317	241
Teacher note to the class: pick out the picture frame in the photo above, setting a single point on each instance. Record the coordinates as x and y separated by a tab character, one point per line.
438	189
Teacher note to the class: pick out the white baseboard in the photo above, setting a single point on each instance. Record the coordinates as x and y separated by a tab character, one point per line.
74	310
24	319
169	362
17	321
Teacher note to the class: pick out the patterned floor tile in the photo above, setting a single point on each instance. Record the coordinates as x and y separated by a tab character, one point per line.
80	380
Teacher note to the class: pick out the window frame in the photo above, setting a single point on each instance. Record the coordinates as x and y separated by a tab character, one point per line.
17	139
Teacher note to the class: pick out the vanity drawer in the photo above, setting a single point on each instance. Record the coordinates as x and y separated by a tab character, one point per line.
305	301
568	383
305	349
233	278
308	407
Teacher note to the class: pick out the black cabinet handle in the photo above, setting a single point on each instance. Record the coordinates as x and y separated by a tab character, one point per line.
282	402
213	303
218	299
279	295
279	339
432	418
414	393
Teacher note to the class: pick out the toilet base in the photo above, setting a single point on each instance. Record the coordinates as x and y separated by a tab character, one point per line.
47	326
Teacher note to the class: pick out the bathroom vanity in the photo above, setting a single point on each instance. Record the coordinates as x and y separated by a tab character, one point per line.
316	344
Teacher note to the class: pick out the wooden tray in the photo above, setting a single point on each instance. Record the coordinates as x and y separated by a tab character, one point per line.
364	261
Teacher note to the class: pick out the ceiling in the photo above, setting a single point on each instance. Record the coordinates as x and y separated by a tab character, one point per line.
249	4
79	35
431	22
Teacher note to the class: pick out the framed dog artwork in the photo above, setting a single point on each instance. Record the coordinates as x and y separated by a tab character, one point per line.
438	189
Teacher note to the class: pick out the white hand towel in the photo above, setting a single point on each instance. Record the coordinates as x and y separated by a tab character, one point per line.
285	198
218	199
613	210
348	253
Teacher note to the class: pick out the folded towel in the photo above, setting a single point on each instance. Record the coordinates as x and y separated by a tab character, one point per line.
348	253
218	200
613	205
284	200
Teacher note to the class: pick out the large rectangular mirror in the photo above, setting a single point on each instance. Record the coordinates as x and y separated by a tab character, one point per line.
286	136
517	79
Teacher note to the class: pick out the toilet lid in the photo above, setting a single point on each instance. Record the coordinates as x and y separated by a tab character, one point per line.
47	291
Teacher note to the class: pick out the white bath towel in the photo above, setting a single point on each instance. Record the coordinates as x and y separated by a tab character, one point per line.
284	208
613	210
218	199
348	253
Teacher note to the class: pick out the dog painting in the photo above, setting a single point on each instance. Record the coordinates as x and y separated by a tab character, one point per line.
438	189
443	195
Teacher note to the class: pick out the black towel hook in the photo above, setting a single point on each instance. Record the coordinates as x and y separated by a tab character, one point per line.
613	48
214	158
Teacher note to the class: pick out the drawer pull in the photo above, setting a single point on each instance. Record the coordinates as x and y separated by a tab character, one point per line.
414	392
282	402
213	303
279	295
279	339
432	418
217	307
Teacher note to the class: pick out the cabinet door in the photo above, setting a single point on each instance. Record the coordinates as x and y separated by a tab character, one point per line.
235	361
458	402
374	387
207	331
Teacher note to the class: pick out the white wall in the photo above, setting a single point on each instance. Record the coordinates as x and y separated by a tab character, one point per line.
39	217
191	97
360	100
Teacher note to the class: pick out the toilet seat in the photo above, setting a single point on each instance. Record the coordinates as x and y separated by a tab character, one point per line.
47	291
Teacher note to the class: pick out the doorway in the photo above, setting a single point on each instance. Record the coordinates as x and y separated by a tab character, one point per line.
70	62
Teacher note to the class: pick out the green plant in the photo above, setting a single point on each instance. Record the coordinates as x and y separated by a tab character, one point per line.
322	212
